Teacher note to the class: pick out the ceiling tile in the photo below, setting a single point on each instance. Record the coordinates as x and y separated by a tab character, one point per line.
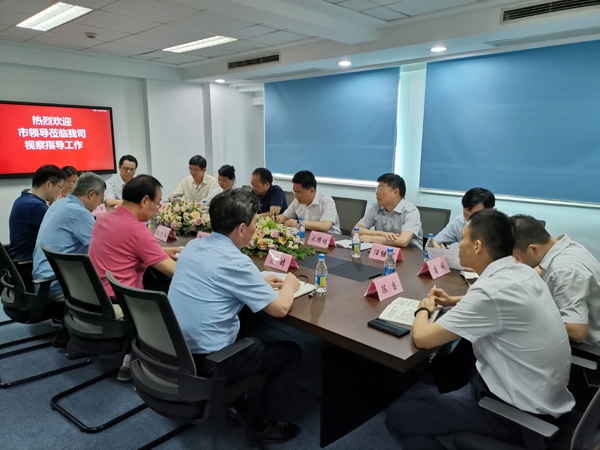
212	23
384	2
417	7
383	13
242	46
110	21
334	1
117	49
211	52
175	34
28	7
94	4
254	30
9	18
21	34
155	55
150	10
145	42
181	59
279	37
64	41
77	29
358	5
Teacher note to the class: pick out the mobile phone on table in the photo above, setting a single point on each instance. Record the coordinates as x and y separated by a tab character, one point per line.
388	327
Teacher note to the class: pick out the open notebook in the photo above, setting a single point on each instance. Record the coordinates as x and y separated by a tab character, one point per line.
304	288
402	311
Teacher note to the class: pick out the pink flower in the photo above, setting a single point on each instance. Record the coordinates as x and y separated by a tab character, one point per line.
274	233
199	221
261	233
290	245
184	208
273	246
186	215
288	233
250	245
159	221
177	209
296	240
175	225
193	228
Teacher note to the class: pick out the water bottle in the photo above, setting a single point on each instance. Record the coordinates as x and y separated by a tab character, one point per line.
356	244
301	230
428	245
174	199
321	275
389	266
148	225
204	206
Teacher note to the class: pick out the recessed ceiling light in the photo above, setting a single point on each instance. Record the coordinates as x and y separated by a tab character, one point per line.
438	49
220	80
202	43
54	16
345	63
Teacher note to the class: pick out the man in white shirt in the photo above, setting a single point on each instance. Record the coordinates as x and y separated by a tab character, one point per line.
571	273
113	195
522	348
316	208
198	185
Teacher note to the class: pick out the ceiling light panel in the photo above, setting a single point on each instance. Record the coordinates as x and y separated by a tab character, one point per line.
54	16
203	43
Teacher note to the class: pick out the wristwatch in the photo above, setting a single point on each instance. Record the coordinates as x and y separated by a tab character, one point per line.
422	308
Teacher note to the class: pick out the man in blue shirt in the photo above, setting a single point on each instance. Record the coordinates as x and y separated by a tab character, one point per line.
270	197
212	282
29	210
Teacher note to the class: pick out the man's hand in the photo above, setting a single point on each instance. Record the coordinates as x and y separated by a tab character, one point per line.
436	245
291	223
274	281
429	303
291	282
390	237
441	298
173	252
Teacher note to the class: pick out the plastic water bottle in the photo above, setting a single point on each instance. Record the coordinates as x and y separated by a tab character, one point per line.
428	245
204	206
174	199
356	244
389	266
321	275
148	225
301	231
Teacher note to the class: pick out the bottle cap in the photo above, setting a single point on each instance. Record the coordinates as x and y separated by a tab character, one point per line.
355	228
300	218
390	250
430	235
321	256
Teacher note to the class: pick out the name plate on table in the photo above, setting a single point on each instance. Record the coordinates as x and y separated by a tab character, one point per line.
385	287
320	240
280	261
379	252
100	209
202	234
165	234
450	254
435	267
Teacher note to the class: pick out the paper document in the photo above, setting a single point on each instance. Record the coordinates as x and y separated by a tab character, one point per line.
402	311
470	277
304	288
450	254
347	243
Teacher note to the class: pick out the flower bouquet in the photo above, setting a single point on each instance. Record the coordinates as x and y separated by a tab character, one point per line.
184	217
271	235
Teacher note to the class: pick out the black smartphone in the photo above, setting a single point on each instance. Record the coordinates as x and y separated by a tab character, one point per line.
388	327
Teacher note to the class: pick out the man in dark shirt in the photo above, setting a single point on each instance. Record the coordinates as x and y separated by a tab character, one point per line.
271	198
29	210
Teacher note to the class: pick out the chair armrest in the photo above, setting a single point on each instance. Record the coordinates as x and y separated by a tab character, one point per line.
45	280
22	262
45	284
592	349
583	362
519	417
230	350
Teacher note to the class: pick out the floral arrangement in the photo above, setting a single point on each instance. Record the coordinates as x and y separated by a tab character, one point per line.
184	217
271	235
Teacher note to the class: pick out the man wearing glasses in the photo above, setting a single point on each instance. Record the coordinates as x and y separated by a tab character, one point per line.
395	220
114	186
270	197
29	210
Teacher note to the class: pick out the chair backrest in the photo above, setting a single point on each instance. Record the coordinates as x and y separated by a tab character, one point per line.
350	211
587	433
433	219
247	187
10	275
289	197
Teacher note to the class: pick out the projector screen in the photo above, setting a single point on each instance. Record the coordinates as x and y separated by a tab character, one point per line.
34	134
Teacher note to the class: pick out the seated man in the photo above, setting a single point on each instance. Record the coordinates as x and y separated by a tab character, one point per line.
226	180
521	346
212	283
29	210
271	198
315	207
474	200
397	221
114	186
198	185
571	273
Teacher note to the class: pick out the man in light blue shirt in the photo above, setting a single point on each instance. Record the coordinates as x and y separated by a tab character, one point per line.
212	282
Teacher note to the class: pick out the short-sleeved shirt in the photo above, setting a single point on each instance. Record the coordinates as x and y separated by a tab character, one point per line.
24	222
66	228
573	276
124	246
404	217
519	340
212	282
192	193
273	197
321	208
452	232
114	187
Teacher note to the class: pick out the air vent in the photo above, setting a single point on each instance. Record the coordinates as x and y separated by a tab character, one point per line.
546	37
253	61
546	8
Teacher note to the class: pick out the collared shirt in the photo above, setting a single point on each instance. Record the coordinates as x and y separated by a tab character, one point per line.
404	217
452	232
217	192
273	197
321	208
66	228
114	187
212	282
24	222
124	246
519	340
192	193
573	276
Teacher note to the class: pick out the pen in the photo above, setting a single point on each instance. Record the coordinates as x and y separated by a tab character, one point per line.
312	294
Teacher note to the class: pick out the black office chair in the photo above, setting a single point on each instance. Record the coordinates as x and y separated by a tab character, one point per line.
163	370
350	211
91	322
433	220
247	188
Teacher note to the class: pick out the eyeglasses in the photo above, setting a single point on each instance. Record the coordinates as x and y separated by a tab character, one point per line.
379	189
58	185
297	193
157	202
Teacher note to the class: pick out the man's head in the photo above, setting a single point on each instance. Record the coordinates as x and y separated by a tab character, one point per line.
261	180
197	166
475	200
72	176
233	213
127	167
89	189
48	182
145	192
530	238
488	236
226	177
304	186
390	190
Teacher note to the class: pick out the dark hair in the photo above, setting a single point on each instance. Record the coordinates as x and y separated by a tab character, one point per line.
305	179
227	171
198	160
70	171
128	158
528	230
139	187
231	208
265	175
475	196
495	230
48	172
393	181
